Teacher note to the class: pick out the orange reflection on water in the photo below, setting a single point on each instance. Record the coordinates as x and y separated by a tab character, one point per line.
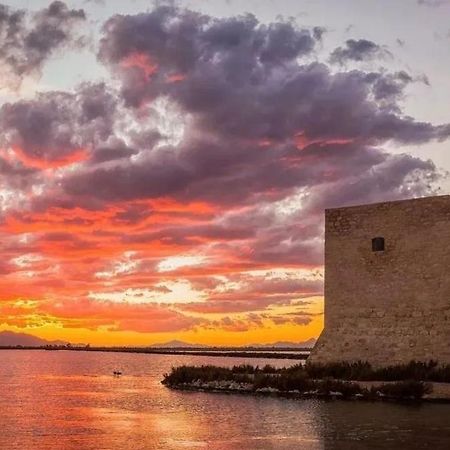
71	401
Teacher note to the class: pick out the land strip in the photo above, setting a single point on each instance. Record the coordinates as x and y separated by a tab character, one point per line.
276	353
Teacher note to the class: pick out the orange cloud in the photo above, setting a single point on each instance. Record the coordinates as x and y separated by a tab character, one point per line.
74	157
176	78
140	61
302	141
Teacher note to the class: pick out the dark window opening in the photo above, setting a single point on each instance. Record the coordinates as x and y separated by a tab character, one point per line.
378	244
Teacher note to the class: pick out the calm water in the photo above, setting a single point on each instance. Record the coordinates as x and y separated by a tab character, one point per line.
67	400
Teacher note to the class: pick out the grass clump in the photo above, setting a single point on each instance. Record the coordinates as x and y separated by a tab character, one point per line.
403	390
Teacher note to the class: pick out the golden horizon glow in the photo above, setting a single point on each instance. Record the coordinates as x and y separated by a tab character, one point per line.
268	334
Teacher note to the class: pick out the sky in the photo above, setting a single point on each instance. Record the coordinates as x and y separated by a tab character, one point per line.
165	166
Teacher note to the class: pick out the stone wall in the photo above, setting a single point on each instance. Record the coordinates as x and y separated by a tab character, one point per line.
388	306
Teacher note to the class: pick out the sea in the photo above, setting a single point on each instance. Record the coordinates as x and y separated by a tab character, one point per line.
66	400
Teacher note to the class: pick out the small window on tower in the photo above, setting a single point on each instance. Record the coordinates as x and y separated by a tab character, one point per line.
378	244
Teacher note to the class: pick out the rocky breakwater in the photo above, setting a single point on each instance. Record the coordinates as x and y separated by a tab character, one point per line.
356	382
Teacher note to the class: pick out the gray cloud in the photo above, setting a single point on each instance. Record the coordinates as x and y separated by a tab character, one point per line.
358	50
433	3
55	125
231	51
28	40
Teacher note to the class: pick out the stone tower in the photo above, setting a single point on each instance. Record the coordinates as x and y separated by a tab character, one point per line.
387	283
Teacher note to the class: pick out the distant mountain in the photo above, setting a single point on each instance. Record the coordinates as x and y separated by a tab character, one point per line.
11	339
176	344
280	344
286	344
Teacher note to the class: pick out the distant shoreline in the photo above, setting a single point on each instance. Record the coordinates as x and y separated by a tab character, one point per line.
247	352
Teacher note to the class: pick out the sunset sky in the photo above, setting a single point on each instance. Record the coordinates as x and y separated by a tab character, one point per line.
164	166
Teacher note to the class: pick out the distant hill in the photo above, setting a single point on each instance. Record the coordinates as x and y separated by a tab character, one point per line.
176	344
11	339
279	344
286	344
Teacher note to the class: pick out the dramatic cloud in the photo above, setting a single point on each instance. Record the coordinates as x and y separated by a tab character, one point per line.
58	128
188	192
94	314
169	44
256	121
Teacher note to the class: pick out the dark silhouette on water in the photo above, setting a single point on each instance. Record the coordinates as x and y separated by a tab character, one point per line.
299	381
234	352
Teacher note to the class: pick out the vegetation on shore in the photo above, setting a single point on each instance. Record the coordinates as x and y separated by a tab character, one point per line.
403	381
363	371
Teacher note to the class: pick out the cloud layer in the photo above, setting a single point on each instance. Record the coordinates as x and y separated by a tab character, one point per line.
188	194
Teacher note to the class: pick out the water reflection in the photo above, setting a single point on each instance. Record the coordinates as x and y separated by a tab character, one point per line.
66	400
379	425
